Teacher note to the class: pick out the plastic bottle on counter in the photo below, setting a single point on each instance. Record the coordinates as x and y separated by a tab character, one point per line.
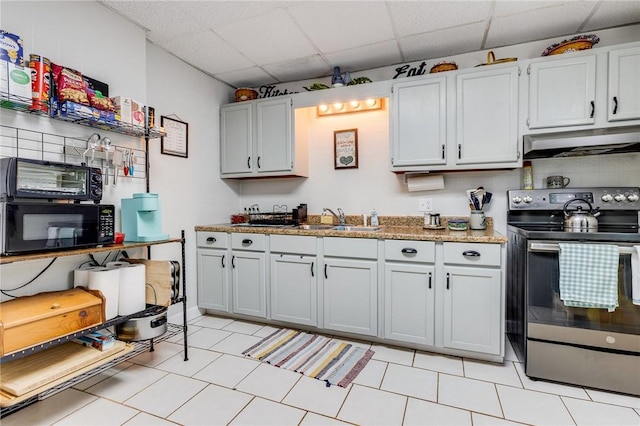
527	175
374	218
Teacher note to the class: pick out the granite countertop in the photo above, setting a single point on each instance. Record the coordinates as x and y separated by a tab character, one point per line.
392	228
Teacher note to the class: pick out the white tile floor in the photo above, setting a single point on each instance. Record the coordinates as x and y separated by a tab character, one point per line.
219	386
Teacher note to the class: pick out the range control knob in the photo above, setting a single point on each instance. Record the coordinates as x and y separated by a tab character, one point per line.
527	199
517	200
619	197
633	198
607	198
96	193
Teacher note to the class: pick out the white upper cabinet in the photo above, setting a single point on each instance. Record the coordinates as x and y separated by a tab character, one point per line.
419	122
562	92
461	120
236	138
487	117
624	84
256	140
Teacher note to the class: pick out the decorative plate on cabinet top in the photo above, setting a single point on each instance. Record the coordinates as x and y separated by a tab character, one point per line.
581	42
443	66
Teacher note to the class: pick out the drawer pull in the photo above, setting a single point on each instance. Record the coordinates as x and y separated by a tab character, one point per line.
470	253
247	242
409	251
211	240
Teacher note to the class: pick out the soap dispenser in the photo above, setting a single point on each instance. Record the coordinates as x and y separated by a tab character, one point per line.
374	218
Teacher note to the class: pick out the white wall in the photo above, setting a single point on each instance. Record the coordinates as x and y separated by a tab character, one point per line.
189	188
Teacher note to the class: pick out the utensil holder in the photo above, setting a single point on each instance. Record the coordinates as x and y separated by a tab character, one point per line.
477	220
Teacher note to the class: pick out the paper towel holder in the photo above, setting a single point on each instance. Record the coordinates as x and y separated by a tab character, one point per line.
425	187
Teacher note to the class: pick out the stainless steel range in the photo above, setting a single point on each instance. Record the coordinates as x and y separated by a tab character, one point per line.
583	346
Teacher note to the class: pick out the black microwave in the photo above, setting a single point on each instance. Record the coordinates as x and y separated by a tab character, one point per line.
40	179
27	227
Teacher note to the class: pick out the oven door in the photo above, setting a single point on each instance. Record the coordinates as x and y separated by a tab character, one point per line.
569	324
33	227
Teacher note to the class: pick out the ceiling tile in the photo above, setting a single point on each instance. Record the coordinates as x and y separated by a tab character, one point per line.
162	19
443	43
273	37
417	17
217	13
248	77
614	13
335	26
538	24
299	69
510	7
206	51
366	57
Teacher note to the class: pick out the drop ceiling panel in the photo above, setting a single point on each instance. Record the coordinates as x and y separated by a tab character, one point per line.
271	38
300	69
213	14
452	41
611	14
366	57
411	18
351	24
248	77
538	24
207	52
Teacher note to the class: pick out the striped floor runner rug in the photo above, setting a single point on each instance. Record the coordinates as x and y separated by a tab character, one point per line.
319	357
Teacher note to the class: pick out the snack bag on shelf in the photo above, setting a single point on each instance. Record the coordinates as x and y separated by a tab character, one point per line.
69	85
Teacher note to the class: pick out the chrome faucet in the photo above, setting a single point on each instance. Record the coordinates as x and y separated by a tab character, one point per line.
340	216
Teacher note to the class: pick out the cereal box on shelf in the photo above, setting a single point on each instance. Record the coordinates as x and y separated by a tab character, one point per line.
15	83
11	48
137	113
123	108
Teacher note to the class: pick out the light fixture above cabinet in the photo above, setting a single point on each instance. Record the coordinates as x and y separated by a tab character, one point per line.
370	104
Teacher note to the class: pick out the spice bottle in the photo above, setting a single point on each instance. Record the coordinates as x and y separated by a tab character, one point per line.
527	175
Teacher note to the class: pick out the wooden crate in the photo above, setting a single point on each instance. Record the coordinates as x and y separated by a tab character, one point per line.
32	320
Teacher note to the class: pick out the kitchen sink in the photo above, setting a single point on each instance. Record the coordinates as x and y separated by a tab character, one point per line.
356	228
315	227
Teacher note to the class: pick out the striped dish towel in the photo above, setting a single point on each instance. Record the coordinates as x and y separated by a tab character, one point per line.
589	275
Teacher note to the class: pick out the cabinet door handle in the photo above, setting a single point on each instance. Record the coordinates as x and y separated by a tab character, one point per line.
459	151
409	251
448	279
247	242
325	272
443	151
248	162
258	161
471	253
593	109
615	104
429	279
312	274
211	240
223	265
233	262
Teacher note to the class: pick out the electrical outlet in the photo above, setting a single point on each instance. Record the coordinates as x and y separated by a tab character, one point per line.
425	204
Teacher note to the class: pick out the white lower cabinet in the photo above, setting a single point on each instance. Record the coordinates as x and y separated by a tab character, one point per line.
409	286
350	285
213	273
293	282
248	274
473	298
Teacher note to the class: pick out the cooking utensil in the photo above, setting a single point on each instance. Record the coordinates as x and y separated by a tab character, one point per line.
579	220
131	160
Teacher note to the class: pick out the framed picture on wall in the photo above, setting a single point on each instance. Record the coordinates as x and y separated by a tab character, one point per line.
345	145
176	140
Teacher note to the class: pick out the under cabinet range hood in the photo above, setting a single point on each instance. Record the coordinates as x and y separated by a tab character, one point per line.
580	143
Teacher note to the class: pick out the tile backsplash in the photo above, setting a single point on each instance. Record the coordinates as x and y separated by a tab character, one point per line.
594	170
